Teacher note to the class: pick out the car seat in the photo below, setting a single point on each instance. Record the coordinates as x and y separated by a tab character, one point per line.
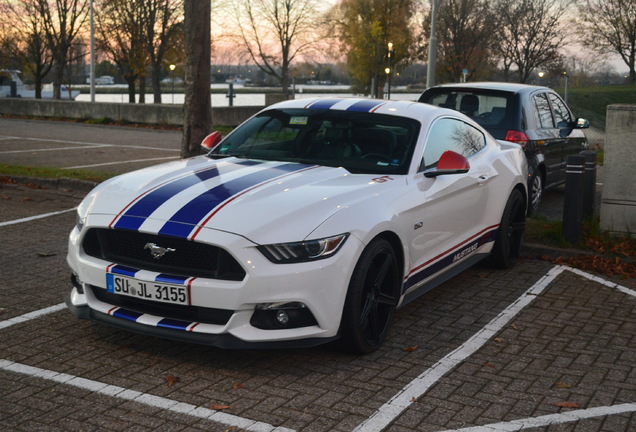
469	105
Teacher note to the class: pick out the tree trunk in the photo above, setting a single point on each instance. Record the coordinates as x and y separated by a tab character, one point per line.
155	78
197	110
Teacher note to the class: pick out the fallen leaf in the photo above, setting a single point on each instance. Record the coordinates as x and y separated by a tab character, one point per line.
218	407
567	404
26	199
238	385
561	384
490	365
414	400
409	348
4	197
46	254
171	380
499	340
514	326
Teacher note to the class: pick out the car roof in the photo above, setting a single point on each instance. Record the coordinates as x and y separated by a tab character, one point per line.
502	86
410	109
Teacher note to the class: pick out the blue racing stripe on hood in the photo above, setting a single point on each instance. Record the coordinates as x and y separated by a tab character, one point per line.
135	216
183	221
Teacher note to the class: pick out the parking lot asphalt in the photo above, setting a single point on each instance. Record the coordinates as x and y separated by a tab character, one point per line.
540	347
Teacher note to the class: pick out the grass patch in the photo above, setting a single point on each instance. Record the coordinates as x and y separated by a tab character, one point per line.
591	102
49	172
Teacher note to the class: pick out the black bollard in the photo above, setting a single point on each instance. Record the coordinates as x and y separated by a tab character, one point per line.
573	199
589	183
230	94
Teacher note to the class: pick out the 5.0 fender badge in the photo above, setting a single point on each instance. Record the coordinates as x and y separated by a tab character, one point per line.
157	251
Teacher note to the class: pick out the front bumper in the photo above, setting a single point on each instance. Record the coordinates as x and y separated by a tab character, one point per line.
321	286
226	341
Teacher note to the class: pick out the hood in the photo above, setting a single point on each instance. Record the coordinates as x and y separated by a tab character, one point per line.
261	201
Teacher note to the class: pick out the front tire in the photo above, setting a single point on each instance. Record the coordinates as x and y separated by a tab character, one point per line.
507	248
371	299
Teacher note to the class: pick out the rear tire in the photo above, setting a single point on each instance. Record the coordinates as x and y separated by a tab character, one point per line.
371	299
507	248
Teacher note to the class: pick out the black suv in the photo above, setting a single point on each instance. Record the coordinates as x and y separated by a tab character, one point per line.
532	116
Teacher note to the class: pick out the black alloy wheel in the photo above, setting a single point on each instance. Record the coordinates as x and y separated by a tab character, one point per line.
371	299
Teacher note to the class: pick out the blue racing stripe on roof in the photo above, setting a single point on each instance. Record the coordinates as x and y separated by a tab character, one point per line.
183	221
135	216
364	105
324	104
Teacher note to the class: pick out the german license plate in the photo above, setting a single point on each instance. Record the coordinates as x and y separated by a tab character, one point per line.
155	291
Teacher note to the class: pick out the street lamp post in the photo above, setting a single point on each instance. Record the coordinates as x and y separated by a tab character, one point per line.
388	70
172	68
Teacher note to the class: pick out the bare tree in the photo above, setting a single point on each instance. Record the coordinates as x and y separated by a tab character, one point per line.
610	27
529	34
63	21
465	35
120	36
25	42
197	121
275	32
162	20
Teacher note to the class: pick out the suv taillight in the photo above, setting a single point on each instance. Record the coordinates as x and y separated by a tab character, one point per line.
517	137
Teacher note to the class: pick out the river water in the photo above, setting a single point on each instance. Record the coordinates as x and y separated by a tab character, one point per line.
240	99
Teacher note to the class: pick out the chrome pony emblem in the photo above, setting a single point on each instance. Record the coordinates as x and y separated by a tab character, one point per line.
157	251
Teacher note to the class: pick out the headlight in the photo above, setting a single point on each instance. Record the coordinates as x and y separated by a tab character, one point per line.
309	250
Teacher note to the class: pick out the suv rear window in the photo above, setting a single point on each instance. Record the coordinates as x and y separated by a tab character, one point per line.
492	110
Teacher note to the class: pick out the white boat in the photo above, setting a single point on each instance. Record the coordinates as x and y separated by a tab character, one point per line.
8	89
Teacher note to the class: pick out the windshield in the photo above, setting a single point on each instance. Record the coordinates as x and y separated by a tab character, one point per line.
358	142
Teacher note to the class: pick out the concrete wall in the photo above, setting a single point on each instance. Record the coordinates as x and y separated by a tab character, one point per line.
618	201
135	113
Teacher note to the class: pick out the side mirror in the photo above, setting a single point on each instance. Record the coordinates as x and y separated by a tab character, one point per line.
582	123
449	163
210	141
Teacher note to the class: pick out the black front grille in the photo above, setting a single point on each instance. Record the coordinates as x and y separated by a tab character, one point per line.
167	310
188	258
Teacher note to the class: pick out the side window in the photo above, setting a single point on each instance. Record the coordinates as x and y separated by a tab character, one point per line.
542	111
451	134
561	113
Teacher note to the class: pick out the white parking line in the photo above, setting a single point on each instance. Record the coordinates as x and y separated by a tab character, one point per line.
387	413
53	149
142	398
31	315
81	143
121	162
550	419
32	218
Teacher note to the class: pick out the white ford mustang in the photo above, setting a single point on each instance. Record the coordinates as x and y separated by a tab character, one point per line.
312	221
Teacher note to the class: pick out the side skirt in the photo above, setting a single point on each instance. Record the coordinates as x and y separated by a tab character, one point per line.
442	277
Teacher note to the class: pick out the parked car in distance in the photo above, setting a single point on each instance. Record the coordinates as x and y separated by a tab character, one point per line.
533	116
311	222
